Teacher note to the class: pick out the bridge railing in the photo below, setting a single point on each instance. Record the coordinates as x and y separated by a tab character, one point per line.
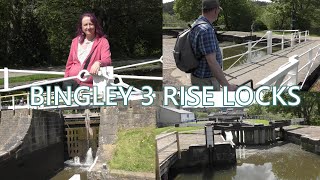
15	101
104	78
267	38
291	71
173	141
313	55
6	72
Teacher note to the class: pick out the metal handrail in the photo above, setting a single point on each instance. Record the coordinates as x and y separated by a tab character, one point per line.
283	42
247	52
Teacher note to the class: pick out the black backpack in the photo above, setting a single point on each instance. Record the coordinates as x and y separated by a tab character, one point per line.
183	53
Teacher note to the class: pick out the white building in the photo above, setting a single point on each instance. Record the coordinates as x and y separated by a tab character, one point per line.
170	116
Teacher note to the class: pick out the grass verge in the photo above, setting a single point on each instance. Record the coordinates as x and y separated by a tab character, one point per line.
31	78
135	150
257	121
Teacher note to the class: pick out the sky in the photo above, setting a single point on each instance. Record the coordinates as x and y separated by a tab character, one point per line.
165	1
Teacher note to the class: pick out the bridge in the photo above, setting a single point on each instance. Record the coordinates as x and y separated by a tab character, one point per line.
106	77
296	60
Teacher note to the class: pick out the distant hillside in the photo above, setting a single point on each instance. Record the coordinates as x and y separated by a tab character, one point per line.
168	8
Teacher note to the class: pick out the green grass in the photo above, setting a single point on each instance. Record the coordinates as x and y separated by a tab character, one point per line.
135	150
31	78
178	129
257	121
296	126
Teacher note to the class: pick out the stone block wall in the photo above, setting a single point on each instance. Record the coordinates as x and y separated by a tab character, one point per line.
113	118
46	129
31	141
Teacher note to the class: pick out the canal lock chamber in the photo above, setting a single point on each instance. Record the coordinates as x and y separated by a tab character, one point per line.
81	128
222	156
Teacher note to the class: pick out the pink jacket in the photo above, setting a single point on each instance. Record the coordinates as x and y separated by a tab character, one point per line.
101	53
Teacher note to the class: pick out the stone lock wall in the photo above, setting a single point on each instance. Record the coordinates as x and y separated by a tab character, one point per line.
31	144
113	118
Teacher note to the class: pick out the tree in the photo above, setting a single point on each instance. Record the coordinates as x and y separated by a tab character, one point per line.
299	13
255	109
39	32
237	14
308	108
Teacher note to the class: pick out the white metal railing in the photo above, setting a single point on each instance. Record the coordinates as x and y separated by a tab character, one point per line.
104	78
267	37
291	70
277	77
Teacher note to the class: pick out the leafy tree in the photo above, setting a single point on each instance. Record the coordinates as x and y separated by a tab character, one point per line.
300	11
187	10
255	109
308	108
168	8
237	14
39	32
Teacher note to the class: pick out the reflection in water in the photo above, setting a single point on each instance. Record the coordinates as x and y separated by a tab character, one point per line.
255	172
285	162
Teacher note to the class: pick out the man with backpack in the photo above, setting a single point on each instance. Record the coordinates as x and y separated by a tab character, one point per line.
205	47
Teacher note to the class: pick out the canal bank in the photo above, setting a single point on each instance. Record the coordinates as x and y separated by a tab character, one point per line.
31	144
193	159
113	120
278	161
308	137
40	142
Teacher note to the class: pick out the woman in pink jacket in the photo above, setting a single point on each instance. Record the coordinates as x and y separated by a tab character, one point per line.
89	50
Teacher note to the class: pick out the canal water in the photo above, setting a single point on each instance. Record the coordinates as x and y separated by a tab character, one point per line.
285	161
242	49
68	172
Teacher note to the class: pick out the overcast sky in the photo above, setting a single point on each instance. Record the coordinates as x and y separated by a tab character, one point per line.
165	1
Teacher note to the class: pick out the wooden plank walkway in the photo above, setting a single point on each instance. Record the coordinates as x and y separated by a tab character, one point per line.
261	68
256	70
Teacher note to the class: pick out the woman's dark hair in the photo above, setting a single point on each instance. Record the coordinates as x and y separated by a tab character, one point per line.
98	30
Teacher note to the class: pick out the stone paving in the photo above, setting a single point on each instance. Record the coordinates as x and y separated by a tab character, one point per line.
312	132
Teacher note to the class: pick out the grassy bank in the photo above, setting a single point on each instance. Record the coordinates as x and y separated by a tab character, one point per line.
31	78
135	150
257	121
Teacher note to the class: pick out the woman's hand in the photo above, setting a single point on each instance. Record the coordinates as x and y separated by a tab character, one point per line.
95	68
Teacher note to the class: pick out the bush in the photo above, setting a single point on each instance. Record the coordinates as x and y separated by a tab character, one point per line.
259	26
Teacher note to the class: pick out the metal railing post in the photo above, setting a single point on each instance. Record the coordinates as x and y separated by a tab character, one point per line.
269	42
299	35
282	42
178	145
310	58
28	101
249	51
305	36
292	39
5	78
13	103
293	73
